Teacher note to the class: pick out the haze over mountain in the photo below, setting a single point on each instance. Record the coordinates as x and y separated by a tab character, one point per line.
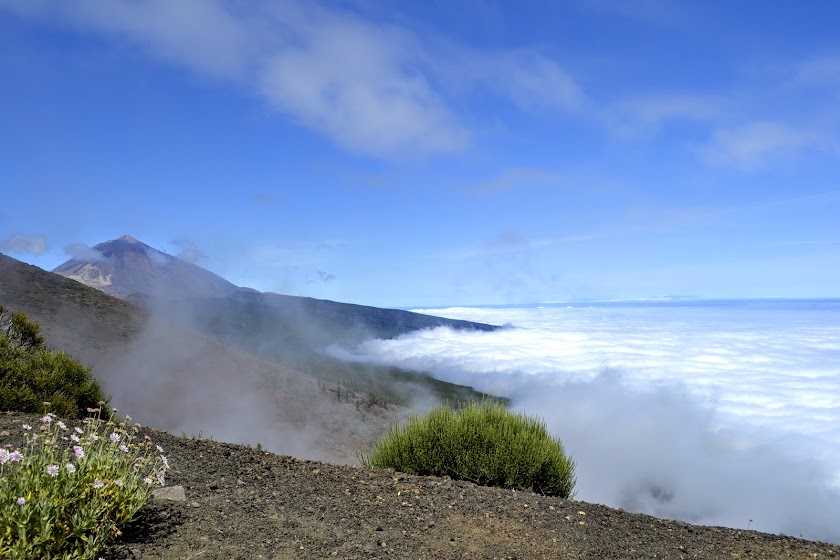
276	324
187	351
168	375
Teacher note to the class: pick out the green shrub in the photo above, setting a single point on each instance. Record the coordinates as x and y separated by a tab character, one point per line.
481	442
68	491
31	373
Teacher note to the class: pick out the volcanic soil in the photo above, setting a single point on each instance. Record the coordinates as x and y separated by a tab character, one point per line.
244	503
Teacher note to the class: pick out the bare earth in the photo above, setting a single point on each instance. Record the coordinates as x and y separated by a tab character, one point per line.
242	503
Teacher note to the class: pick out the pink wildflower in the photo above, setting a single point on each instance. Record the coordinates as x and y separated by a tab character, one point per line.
52	470
97	483
21	501
114	437
70	467
123	448
15	456
78	451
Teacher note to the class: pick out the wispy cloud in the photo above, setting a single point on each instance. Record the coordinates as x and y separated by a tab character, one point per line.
515	177
531	80
751	145
205	36
355	81
373	87
188	250
645	115
82	252
25	244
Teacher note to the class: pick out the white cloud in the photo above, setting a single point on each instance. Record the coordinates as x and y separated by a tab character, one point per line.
535	82
712	415
752	145
82	252
188	251
204	35
372	87
356	82
649	114
26	244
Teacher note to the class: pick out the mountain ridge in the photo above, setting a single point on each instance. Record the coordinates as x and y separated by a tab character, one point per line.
126	265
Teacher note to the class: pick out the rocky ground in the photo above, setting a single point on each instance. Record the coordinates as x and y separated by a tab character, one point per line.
242	503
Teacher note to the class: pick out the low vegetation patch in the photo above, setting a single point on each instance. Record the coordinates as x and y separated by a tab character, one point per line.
31	373
482	442
67	492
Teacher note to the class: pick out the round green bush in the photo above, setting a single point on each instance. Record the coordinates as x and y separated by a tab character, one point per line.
31	373
481	442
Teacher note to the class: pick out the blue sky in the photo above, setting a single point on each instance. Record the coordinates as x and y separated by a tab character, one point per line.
463	152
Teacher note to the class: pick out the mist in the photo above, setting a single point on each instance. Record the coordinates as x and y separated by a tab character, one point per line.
717	417
173	379
235	369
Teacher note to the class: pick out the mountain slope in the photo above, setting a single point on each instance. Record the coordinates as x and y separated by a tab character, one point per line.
124	266
290	331
75	318
166	375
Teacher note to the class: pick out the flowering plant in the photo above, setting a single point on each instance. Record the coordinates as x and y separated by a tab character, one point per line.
69	490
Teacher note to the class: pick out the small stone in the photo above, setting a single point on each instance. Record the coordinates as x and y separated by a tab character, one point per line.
213	485
136	554
379	528
171	493
431	524
195	504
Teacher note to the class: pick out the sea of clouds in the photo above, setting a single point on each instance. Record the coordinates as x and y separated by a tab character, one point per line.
723	414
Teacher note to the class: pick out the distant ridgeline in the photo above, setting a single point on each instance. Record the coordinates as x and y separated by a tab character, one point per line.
294	331
288	330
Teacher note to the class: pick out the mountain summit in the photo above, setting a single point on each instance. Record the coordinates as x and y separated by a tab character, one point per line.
126	266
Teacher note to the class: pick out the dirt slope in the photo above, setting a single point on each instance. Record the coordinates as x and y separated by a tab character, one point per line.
246	504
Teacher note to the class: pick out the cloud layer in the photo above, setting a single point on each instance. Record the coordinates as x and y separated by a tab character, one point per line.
712	415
